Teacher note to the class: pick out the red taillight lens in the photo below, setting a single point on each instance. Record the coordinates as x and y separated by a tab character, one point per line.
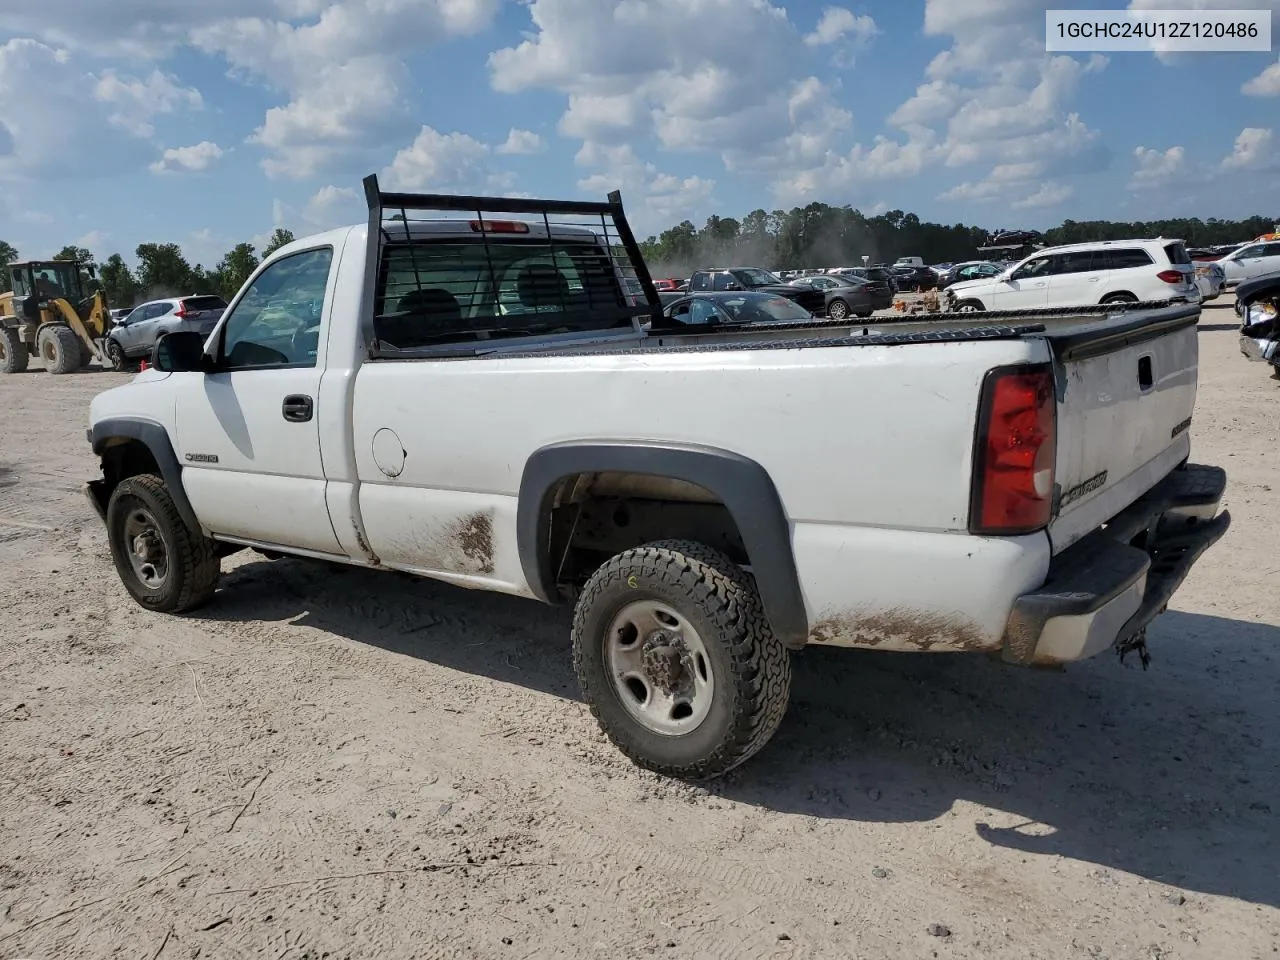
1171	276
499	226
1016	448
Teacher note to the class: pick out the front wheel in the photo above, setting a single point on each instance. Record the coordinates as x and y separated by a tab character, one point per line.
837	310
59	348
163	564
970	306
677	660
115	355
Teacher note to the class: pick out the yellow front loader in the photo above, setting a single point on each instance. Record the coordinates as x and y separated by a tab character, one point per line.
51	313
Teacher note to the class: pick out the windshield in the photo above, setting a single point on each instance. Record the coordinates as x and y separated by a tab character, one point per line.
755	277
58	279
764	309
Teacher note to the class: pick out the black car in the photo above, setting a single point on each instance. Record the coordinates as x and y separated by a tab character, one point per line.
969	270
848	295
734	307
918	279
878	275
754	278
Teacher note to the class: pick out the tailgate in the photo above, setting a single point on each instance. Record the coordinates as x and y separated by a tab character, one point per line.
1127	389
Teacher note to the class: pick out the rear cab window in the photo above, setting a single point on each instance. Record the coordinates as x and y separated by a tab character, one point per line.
449	289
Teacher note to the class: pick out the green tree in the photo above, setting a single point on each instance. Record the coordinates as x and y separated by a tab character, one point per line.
118	282
8	254
75	254
235	268
279	238
162	270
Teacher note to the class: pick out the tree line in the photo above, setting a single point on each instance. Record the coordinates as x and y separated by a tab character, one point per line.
162	270
817	235
820	235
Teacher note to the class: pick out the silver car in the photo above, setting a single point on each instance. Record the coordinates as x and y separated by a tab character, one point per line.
133	337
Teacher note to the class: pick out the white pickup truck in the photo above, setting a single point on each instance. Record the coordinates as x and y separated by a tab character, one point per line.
500	404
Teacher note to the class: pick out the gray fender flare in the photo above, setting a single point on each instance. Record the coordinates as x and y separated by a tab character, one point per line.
156	439
741	484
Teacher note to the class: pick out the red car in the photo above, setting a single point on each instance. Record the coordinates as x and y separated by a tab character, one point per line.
666	286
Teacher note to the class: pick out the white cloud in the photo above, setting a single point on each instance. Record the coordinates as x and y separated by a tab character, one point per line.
331	207
993	95
1004	180
663	197
521	143
59	121
136	101
844	31
1265	84
691	91
444	163
838	23
193	159
343	72
1157	168
93	241
1048	195
1252	150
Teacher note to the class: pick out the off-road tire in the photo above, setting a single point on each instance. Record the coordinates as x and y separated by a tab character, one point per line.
116	357
193	563
1111	298
837	310
87	356
752	668
13	352
59	349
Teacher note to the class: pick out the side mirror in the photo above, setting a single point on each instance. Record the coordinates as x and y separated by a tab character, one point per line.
179	352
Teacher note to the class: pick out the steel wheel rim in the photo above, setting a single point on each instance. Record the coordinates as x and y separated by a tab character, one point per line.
50	352
660	668
144	543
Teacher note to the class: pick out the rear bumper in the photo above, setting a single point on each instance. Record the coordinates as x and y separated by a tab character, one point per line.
1107	588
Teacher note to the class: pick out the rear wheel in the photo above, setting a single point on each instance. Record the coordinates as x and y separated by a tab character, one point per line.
13	352
163	564
677	660
59	349
1119	298
837	310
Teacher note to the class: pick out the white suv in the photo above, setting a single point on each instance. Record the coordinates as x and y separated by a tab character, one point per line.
1251	260
1111	271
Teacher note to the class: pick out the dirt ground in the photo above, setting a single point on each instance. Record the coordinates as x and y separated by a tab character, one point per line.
348	764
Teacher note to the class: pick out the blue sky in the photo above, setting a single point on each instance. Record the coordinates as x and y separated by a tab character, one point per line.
211	123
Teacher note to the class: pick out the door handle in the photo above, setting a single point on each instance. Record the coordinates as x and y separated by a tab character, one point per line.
297	408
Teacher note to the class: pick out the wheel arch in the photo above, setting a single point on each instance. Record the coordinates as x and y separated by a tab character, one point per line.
120	441
742	485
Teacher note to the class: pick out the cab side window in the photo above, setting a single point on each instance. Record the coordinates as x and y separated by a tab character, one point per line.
277	322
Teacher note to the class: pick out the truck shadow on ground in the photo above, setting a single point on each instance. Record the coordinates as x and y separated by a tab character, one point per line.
1170	774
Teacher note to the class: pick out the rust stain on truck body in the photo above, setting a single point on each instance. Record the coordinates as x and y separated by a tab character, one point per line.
902	629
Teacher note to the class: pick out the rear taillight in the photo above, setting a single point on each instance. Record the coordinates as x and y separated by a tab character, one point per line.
1171	276
181	312
1014	453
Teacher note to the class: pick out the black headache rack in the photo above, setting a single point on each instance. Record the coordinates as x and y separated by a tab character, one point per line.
449	274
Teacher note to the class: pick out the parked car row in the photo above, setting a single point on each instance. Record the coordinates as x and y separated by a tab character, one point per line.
133	336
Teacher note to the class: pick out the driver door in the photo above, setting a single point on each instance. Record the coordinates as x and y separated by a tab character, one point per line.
248	434
1026	288
135	324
